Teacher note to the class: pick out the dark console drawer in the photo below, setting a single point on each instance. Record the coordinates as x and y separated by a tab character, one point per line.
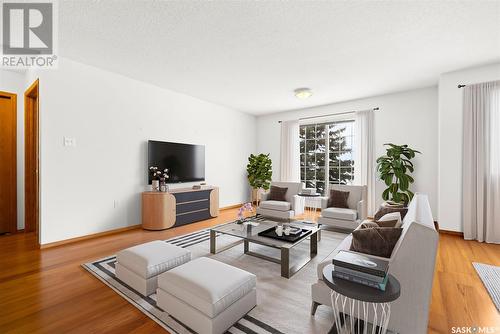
192	217
191	196
192	206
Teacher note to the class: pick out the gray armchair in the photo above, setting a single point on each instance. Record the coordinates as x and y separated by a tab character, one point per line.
346	218
283	209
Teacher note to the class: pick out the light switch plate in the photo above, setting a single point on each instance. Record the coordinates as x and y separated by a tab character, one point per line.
69	141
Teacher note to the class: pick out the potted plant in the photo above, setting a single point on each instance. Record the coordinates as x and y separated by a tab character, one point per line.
395	168
244	207
155	177
259	170
163	180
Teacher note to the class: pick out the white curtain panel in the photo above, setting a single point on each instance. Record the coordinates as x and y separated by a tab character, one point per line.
364	168
481	162
290	152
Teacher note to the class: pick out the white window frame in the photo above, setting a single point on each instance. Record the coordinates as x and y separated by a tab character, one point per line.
348	117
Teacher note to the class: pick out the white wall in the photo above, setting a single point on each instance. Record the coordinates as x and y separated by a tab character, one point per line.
14	82
112	117
404	118
450	140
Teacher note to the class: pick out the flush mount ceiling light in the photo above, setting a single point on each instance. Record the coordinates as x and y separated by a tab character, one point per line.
303	93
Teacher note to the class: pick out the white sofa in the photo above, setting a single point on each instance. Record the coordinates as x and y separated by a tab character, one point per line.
412	263
283	209
345	218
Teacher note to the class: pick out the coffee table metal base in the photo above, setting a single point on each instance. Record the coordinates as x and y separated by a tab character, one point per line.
284	260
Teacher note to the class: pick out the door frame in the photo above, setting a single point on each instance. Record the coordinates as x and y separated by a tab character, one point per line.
32	137
13	97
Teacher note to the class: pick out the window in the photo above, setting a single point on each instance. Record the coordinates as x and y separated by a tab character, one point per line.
326	154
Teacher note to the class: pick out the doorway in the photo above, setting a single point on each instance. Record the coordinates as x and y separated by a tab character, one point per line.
8	165
31	159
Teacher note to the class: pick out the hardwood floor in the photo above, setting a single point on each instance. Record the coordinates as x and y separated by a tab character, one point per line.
46	291
458	296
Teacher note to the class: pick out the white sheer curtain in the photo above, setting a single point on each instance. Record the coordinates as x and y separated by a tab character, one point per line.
290	151
481	162
364	168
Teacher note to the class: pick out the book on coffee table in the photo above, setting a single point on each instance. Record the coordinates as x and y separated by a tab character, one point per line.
360	262
361	269
360	280
349	272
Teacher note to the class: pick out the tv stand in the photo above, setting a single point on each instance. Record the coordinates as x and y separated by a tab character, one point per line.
162	210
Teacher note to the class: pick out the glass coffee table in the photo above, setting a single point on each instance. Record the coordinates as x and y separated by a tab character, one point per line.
249	233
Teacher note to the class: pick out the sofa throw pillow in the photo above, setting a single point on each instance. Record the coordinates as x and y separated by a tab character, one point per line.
367	224
385	210
378	241
338	199
277	194
392	219
388	223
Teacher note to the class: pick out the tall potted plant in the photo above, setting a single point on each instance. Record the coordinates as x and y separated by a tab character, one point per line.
395	168
259	170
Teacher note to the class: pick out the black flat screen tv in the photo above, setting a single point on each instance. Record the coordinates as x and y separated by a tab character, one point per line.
185	162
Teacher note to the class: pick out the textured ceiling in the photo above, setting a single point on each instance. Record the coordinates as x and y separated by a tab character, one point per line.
251	55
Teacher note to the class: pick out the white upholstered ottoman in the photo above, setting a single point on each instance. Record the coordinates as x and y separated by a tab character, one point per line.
207	295
139	266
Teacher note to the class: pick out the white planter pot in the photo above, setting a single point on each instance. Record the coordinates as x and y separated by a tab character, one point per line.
155	185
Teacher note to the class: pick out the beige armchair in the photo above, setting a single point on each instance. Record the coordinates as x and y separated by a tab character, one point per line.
283	209
346	218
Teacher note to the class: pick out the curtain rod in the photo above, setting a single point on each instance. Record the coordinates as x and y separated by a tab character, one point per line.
341	113
462	85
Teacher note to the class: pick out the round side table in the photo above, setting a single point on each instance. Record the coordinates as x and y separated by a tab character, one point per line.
371	306
311	203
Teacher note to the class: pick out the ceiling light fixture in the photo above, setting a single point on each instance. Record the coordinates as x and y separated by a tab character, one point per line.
303	93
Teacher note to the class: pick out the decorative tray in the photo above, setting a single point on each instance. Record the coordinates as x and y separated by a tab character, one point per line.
271	233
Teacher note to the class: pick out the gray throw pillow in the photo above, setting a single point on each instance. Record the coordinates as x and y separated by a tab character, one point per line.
385	210
369	225
392	219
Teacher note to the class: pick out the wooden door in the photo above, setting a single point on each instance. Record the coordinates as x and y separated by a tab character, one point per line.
8	171
31	159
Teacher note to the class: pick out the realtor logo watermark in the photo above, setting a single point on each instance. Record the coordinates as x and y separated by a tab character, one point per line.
29	34
475	330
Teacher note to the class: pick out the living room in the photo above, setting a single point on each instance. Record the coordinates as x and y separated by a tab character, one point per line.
287	82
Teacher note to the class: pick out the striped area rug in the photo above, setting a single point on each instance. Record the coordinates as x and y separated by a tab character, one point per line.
490	275
265	318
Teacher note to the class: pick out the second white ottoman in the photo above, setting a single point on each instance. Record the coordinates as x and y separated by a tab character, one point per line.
207	295
139	266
